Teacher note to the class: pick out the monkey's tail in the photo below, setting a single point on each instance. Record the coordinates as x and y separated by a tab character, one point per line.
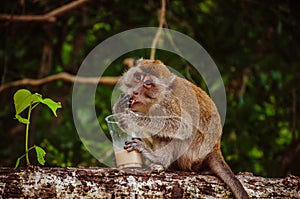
218	166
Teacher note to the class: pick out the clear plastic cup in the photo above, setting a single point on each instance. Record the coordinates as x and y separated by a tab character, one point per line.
124	159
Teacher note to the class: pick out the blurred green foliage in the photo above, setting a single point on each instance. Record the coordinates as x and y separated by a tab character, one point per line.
255	45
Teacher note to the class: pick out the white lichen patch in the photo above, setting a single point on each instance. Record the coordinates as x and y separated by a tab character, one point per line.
55	183
137	185
67	186
2	188
140	186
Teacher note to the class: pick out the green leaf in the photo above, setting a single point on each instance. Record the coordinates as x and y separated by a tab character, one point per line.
19	98
17	163
23	99
22	120
40	153
51	104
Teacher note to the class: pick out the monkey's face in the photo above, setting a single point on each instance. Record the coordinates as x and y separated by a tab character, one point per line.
145	85
142	89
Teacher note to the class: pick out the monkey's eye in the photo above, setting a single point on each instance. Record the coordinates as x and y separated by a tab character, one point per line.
137	76
148	83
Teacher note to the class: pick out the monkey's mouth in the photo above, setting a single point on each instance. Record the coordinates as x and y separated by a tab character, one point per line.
133	102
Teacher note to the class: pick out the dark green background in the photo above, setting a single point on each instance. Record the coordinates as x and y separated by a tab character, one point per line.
255	45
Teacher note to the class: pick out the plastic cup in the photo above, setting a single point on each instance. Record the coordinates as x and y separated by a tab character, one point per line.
124	159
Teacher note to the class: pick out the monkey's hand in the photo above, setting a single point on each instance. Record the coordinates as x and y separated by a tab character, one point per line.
137	144
123	103
142	147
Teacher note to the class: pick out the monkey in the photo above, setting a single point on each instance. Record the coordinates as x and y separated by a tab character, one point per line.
181	119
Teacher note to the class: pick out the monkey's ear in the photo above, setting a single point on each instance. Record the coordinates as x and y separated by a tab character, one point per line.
131	62
138	61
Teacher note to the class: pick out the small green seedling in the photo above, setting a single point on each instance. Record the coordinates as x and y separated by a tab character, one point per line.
24	99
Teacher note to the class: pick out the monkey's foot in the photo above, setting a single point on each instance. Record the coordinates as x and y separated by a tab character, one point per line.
157	168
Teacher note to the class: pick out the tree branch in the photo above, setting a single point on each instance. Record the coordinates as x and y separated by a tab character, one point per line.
107	81
112	183
61	10
294	115
26	18
158	33
48	17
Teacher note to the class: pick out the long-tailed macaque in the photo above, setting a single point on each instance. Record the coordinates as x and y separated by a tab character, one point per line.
182	120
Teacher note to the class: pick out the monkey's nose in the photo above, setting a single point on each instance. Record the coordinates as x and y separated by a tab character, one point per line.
136	93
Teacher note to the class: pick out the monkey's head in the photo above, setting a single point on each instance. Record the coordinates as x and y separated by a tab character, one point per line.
145	82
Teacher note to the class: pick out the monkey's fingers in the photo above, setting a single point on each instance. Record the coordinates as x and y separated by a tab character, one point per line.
129	147
125	101
134	144
135	138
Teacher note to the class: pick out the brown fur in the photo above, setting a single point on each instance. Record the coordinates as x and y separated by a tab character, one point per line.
180	116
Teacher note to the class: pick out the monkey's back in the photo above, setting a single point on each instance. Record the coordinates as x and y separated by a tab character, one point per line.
207	128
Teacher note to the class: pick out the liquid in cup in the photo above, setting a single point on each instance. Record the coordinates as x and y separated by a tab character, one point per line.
124	159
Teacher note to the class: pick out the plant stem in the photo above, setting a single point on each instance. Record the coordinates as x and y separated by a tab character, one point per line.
26	136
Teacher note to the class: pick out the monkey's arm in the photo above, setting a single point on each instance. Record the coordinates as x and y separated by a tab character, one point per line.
163	126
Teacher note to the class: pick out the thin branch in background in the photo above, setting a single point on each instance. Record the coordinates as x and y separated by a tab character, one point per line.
294	114
169	35
163	22
48	17
46	60
244	80
158	33
26	18
107	81
4	69
66	8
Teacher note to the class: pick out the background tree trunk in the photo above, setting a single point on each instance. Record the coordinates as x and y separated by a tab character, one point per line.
72	183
